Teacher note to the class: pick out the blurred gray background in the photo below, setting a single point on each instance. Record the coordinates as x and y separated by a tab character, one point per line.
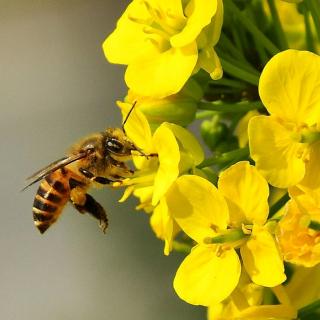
55	87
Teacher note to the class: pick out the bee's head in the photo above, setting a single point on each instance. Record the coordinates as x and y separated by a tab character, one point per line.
117	143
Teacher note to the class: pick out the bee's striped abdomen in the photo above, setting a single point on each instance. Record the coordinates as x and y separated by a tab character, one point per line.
51	197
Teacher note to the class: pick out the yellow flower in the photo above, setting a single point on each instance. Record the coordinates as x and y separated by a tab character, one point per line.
246	302
285	145
165	42
179	108
211	271
177	152
298	242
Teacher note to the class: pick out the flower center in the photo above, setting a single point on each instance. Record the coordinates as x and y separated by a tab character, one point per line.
160	25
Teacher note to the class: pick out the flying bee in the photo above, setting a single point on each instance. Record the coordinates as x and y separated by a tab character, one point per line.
98	159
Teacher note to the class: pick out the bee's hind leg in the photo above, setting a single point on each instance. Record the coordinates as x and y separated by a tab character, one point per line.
90	205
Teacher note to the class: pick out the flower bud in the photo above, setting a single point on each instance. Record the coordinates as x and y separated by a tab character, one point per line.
179	108
213	131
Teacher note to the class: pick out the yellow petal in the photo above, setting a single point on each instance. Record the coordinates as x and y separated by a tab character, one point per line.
267	312
197	207
137	127
188	141
204	278
162	225
311	179
199	14
246	192
128	42
262	260
241	130
144	194
299	244
169	157
289	86
162	74
275	151
213	30
127	193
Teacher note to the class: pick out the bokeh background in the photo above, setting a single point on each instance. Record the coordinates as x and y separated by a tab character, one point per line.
55	87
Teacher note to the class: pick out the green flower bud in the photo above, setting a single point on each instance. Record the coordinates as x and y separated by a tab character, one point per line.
213	131
179	108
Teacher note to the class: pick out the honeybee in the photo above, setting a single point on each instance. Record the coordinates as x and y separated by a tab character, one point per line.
98	159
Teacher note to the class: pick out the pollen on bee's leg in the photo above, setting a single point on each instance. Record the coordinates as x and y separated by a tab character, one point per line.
103	225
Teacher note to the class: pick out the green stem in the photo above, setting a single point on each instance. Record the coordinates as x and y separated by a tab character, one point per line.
309	309
229	83
244	106
225	157
226	43
239	73
308	32
314	8
278	27
237	39
251	28
239	63
278	205
261	52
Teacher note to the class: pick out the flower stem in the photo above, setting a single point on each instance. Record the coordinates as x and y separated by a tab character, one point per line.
239	73
278	27
251	28
314	8
231	107
308	309
227	44
308	32
278	205
225	157
229	83
245	65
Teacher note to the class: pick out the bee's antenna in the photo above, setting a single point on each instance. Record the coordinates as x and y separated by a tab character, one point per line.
127	117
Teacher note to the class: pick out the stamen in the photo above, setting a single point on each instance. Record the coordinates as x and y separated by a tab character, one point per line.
138	20
154	30
160	20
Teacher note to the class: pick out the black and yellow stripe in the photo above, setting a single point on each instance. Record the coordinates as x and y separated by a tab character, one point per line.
51	197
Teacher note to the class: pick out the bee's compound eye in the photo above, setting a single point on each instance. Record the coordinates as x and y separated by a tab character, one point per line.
113	145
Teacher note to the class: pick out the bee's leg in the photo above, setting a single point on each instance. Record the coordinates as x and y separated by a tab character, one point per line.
101	180
83	202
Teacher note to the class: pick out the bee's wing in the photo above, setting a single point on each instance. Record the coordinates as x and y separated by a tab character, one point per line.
39	175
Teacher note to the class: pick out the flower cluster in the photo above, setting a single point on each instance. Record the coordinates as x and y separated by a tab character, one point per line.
244	208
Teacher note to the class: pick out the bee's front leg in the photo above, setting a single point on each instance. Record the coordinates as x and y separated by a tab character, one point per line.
83	202
101	180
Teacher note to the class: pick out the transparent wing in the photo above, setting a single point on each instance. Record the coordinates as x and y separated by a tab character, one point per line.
39	175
